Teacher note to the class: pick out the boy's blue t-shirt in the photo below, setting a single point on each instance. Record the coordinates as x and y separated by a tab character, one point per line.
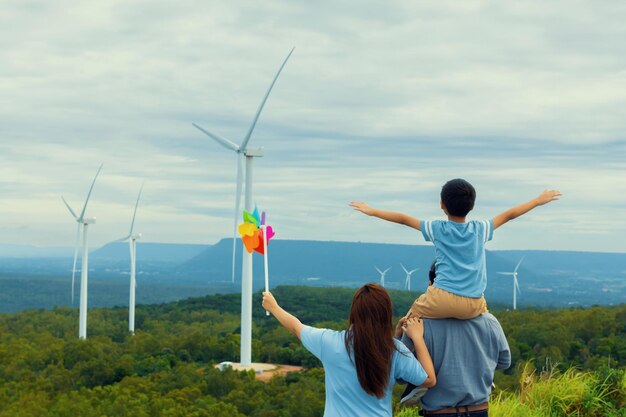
459	254
344	394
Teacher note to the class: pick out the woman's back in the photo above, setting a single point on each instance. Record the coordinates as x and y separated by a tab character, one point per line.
344	394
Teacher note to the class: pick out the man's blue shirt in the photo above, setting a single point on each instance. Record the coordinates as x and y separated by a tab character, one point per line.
465	353
344	395
460	254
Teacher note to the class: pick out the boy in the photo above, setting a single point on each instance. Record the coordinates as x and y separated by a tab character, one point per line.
459	250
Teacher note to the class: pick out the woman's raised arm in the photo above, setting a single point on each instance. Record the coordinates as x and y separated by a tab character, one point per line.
289	321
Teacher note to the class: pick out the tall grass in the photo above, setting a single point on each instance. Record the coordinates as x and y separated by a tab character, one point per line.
568	394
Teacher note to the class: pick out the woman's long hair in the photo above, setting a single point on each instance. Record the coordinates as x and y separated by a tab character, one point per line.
370	337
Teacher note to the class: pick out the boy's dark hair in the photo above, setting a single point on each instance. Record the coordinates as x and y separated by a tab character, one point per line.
458	196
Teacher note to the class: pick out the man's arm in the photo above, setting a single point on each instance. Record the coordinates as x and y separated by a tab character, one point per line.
289	321
414	328
543	198
390	216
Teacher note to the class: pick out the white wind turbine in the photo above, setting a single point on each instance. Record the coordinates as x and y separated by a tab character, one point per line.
407	281
515	283
83	222
246	267
382	275
132	241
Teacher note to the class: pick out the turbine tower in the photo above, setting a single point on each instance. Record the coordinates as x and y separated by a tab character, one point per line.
382	275
246	265
407	281
82	222
515	283
132	241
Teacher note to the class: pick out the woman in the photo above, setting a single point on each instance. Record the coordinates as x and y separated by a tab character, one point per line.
362	363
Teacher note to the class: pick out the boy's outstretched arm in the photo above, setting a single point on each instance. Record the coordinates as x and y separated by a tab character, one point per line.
390	216
543	198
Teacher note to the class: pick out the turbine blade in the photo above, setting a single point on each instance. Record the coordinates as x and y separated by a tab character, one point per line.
75	257
219	139
379	271
385	271
519	263
517	286
413	270
69	208
82	213
132	224
506	273
246	139
405	270
238	187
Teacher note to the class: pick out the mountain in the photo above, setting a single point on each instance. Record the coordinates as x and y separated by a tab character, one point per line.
173	271
149	251
10	250
546	278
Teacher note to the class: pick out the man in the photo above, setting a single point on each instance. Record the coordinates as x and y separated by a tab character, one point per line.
466	354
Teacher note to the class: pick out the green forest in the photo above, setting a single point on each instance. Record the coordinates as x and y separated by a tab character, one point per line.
567	362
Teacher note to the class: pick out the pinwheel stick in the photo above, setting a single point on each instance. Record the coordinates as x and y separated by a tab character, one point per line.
267	275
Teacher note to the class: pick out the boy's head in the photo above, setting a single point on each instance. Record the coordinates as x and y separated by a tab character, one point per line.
457	197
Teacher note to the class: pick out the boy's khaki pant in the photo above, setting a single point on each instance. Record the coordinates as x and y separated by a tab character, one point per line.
436	303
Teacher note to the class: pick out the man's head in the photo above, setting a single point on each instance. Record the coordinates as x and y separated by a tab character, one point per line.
432	274
457	197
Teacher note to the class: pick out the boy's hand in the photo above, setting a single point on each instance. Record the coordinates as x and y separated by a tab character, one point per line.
414	328
548	196
543	198
362	207
269	302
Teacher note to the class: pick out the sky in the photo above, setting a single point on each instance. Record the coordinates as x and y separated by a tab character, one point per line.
381	102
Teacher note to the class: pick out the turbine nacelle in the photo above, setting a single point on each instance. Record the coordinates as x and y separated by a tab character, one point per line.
254	152
88	220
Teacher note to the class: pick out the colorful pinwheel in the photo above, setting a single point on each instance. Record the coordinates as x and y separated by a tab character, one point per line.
255	235
253	231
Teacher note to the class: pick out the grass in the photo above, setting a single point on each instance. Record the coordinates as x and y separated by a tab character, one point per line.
551	394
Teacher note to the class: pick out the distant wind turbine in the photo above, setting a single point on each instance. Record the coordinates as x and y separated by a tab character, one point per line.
382	275
246	269
515	283
407	281
132	241
83	222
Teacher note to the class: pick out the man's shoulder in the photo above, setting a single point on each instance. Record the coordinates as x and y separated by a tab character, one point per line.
485	321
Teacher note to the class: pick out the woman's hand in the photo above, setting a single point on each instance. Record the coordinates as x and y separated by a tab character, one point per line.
290	322
414	328
269	302
400	326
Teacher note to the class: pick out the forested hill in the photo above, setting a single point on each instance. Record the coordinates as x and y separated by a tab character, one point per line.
165	369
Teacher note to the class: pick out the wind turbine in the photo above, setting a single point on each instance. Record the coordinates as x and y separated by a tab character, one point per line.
246	264
407	281
132	241
382	275
83	222
515	283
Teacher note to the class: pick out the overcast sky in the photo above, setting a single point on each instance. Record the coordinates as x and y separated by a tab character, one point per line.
381	102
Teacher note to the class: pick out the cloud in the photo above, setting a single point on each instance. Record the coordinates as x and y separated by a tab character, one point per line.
380	102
